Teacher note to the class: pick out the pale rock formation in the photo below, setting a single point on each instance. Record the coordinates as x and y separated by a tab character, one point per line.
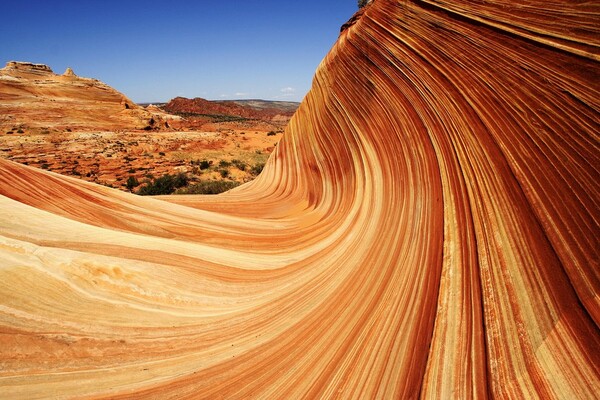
69	72
20	66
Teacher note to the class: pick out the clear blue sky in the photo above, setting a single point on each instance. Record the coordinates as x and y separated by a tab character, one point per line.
156	50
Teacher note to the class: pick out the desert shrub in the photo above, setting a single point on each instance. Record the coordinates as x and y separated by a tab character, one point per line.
208	187
203	164
257	168
224	173
239	165
20	131
224	164
272	133
362	3
132	182
166	184
45	166
161	153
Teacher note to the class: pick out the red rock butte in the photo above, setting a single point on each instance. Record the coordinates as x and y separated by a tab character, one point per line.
427	227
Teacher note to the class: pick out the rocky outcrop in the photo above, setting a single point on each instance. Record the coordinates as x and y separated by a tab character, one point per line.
33	98
69	72
427	227
27	67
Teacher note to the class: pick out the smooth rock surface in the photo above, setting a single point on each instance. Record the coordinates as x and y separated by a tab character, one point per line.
427	227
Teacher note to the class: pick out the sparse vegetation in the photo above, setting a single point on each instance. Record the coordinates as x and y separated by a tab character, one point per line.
132	182
257	168
203	164
208	187
214	117
166	184
239	165
272	133
362	3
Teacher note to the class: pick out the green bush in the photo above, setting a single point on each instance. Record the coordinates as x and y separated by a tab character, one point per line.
132	182
208	187
257	168
204	164
166	184
239	165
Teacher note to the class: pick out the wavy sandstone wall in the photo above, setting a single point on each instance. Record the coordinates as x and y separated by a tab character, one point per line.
428	227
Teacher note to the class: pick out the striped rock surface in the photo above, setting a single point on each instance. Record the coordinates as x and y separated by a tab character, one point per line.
427	227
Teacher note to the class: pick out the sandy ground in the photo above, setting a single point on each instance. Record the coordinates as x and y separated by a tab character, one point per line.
110	158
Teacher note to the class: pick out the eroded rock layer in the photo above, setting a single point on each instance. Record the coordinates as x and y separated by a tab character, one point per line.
428	227
33	98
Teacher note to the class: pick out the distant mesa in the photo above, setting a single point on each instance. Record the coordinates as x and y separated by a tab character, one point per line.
248	109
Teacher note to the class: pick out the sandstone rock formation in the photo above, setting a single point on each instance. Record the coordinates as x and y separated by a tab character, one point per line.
69	72
33	98
428	227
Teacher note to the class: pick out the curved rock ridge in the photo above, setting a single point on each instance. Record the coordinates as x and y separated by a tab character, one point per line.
427	227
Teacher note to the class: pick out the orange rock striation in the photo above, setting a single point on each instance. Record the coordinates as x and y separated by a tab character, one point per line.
33	98
427	227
